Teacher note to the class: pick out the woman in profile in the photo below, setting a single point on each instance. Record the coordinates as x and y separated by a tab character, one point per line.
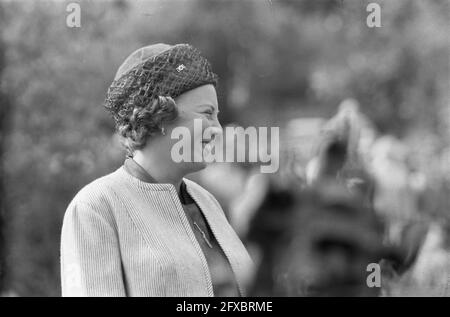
145	230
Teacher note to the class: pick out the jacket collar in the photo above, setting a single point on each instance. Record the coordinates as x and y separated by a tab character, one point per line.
225	235
136	170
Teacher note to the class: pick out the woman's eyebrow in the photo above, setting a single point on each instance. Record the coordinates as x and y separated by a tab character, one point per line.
209	106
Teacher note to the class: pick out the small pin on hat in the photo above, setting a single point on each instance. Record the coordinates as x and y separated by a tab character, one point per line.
180	67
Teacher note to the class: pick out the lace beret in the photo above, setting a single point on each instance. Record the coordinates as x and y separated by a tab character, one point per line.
153	71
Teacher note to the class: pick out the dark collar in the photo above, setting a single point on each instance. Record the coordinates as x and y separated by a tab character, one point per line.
136	170
185	198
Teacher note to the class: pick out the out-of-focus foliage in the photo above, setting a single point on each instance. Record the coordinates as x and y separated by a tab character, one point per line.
276	59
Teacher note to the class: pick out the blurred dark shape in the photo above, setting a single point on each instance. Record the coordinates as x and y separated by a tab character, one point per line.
320	241
398	260
316	242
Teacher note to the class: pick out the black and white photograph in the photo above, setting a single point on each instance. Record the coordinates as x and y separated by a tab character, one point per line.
241	150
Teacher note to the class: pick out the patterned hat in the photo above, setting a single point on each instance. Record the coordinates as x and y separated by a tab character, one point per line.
153	71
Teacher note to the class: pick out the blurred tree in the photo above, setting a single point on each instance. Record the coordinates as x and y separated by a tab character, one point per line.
61	137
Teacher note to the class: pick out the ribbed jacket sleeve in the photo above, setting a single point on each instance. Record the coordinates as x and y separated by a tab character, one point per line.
90	256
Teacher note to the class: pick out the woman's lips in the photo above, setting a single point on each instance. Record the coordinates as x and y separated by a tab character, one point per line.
207	146
204	142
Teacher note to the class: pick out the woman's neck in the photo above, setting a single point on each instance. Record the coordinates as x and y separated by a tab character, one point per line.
160	169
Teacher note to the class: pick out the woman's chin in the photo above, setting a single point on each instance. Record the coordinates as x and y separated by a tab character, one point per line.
192	167
198	166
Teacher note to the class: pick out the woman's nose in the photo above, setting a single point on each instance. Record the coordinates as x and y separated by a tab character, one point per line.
216	131
216	127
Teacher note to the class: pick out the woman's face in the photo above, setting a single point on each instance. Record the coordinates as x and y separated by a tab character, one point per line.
199	103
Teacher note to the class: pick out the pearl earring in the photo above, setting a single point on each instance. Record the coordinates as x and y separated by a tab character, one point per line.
163	132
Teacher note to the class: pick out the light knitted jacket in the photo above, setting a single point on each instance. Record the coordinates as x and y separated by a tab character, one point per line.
125	237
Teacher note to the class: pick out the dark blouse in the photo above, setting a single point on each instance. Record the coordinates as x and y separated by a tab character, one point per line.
222	276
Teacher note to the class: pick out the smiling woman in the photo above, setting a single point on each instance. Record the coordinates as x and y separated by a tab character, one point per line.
144	230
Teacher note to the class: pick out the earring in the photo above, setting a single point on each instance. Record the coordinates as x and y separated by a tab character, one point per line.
163	132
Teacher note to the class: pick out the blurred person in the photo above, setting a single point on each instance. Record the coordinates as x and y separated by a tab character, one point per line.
324	236
314	241
145	230
357	134
376	166
377	169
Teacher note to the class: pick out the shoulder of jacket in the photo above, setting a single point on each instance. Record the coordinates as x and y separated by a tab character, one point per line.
98	195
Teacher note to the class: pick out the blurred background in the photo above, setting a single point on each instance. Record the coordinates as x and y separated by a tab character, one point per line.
289	64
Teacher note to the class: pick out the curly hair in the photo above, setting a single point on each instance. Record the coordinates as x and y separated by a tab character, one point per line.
145	121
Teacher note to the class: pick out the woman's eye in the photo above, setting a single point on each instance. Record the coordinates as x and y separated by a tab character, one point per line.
208	112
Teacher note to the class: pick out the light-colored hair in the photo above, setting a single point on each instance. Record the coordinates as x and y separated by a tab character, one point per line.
145	122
